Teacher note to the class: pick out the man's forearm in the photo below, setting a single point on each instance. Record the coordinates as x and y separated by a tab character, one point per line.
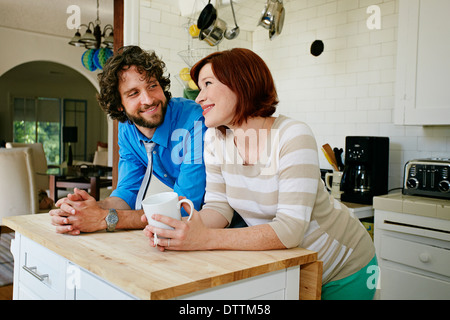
113	203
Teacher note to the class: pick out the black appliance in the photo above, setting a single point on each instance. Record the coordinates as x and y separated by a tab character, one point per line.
366	169
427	177
70	135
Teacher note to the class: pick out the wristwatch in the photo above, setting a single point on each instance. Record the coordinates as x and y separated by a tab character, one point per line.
111	220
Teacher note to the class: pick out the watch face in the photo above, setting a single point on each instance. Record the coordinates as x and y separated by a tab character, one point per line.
111	220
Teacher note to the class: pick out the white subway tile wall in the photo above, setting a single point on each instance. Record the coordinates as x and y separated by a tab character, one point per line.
348	90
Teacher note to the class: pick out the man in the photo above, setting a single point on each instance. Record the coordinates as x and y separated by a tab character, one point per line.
134	91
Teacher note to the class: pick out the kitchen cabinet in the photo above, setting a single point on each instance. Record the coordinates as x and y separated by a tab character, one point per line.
41	274
423	65
122	265
412	243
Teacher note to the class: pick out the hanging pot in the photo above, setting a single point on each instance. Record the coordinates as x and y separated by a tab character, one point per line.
211	27
213	35
272	17
267	17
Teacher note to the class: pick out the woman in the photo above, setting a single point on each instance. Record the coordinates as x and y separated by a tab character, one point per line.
267	169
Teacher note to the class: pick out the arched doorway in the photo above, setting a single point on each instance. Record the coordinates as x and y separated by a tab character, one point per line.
48	92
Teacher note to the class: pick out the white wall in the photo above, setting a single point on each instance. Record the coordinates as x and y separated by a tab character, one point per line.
348	90
24	46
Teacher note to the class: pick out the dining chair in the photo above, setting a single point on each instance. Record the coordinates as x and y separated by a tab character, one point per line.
18	192
39	162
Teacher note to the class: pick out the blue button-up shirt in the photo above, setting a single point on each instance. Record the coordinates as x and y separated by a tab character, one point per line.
177	156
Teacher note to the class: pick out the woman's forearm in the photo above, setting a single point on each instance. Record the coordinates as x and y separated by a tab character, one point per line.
260	237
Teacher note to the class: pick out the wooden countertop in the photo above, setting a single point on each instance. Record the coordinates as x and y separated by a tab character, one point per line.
126	259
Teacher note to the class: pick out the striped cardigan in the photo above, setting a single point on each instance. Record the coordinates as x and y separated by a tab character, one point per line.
284	189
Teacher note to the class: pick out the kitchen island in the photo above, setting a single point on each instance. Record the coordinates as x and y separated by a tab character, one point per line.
122	265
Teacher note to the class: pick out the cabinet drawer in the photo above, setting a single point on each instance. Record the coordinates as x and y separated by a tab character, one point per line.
404	285
83	285
414	254
41	271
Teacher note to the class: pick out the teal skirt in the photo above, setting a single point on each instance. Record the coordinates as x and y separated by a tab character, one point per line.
361	285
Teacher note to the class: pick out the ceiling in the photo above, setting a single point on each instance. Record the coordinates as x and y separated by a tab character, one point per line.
50	16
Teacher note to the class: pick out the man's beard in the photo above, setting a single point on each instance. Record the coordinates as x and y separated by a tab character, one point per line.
157	120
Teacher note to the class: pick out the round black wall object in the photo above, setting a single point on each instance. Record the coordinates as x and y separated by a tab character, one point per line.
317	48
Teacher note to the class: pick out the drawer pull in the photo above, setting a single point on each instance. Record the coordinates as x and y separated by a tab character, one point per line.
32	271
424	257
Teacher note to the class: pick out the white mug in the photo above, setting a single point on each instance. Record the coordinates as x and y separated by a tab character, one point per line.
335	187
166	204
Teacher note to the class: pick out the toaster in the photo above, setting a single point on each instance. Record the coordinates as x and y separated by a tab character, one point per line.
427	177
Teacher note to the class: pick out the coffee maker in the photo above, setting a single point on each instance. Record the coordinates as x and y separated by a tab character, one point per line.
366	169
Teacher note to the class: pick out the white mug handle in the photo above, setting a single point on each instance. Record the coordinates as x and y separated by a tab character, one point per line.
190	204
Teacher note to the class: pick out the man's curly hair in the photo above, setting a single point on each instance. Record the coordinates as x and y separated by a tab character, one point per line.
147	63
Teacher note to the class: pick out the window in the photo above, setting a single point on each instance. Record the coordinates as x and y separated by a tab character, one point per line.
75	116
39	120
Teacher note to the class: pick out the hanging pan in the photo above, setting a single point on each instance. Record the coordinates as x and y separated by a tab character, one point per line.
207	17
211	27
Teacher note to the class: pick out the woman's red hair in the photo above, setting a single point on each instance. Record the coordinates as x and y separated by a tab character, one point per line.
248	76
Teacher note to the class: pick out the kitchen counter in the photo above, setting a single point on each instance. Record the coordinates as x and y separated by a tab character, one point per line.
423	206
412	243
361	211
127	261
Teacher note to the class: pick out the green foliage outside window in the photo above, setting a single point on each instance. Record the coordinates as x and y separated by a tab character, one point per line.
48	133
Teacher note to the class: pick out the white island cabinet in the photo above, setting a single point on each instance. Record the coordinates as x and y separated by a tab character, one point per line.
122	265
42	274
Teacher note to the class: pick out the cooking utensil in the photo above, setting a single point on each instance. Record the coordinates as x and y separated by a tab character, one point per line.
338	155
272	17
267	15
330	156
213	35
233	33
278	22
207	16
211	27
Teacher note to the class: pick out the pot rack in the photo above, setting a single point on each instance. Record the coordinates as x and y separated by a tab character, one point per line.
272	19
215	29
